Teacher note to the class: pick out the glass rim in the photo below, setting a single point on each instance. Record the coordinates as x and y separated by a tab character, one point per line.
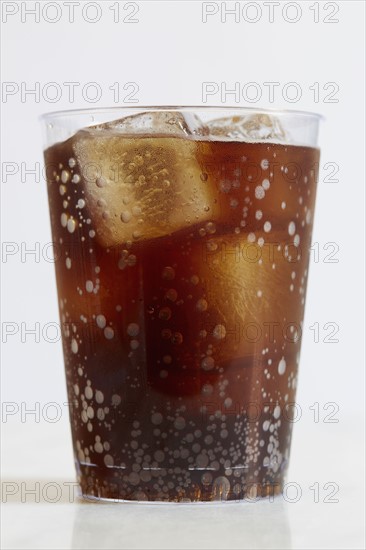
45	117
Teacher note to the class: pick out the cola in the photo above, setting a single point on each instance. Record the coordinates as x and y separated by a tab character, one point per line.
182	265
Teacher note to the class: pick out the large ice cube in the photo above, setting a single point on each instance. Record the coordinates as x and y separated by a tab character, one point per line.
142	176
262	183
157	122
142	188
219	302
254	127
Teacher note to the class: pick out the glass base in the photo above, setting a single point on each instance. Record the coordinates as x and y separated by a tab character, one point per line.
160	486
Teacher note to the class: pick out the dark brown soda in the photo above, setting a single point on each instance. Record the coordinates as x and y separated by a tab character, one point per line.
182	347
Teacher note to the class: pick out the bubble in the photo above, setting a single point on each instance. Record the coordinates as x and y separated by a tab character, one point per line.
228	402
266	184
291	228
81	203
68	263
134	344
251	237
98	447
219	332
283	205
133	329
116	400
168	273
259	192
258	214
101	321
196	447
100	414
264	164
207	389
134	478
64	219
266	425
171	295
201	305
126	216
179	423
109	333
202	460
71	225
89	286
277	412
75	178
65	175
208	439
62	190
207	363
100	182
159	456
267	227
99	397
74	346
210	228
165	313
108	461
282	366
211	246
156	418
88	392
177	338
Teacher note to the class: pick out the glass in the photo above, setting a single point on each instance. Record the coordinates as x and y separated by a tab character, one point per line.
182	240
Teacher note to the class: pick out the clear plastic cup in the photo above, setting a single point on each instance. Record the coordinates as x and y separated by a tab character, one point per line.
183	238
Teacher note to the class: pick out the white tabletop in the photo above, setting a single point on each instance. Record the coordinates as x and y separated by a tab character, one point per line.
321	454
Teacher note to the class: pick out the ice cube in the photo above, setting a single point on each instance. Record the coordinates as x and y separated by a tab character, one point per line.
157	122
254	128
142	187
229	298
258	183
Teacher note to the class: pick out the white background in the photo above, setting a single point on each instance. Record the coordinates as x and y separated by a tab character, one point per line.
169	53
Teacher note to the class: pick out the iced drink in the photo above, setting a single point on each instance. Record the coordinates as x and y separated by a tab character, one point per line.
182	263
